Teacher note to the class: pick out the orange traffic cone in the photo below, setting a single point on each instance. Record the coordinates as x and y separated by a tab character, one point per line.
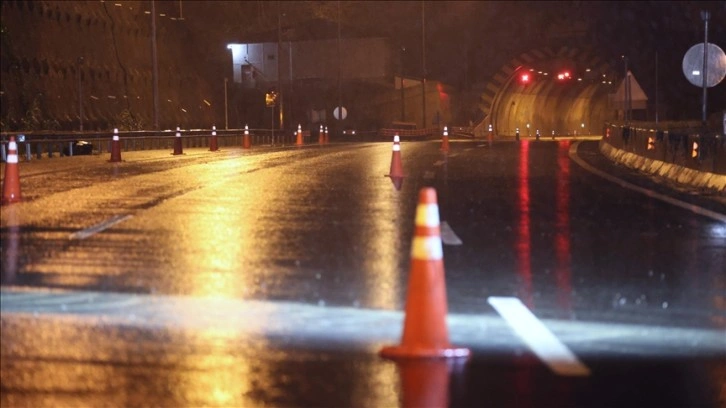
425	334
213	140
11	182
246	140
445	141
178	142
115	147
321	135
396	173
299	141
327	135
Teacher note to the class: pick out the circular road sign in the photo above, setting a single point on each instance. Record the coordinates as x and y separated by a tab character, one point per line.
336	113
693	65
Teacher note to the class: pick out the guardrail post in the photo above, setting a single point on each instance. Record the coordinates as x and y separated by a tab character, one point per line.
3	155
28	153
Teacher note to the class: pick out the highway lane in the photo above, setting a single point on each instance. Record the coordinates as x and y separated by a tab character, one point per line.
632	285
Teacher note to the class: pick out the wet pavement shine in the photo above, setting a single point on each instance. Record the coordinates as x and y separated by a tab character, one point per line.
274	276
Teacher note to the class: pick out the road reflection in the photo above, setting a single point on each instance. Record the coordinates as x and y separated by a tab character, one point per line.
524	240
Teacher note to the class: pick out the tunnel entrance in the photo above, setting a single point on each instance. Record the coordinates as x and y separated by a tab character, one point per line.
563	93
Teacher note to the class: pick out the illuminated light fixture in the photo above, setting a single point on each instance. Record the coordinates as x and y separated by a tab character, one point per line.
184	110
561	76
579	79
531	70
168	100
117	4
147	12
111	97
207	102
524	78
95	98
587	70
696	72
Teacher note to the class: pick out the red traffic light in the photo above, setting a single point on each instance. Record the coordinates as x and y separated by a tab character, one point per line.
524	78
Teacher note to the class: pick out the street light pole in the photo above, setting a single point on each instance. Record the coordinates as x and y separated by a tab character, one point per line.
155	66
705	15
423	61
80	94
226	110
403	106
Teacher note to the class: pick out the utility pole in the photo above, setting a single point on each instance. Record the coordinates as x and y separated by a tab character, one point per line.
226	109
340	98
423	60
279	67
80	94
705	15
155	66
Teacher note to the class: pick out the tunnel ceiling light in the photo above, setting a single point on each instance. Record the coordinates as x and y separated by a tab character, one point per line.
587	69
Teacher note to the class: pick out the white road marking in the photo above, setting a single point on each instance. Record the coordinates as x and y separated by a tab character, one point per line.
539	339
650	193
83	234
448	236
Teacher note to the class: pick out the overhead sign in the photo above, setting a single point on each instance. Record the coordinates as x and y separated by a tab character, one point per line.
337	112
693	65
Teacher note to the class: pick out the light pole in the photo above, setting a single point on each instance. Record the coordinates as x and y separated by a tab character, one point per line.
403	106
423	61
155	66
705	15
80	94
226	121
626	97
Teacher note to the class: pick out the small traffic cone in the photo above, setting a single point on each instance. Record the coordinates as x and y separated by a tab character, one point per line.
327	136
178	143
115	147
11	182
299	141
213	140
396	172
246	139
445	141
425	334
321	135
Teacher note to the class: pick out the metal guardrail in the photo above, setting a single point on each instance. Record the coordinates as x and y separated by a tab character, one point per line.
694	148
38	145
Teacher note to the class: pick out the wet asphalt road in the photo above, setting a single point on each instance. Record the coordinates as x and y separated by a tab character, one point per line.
272	277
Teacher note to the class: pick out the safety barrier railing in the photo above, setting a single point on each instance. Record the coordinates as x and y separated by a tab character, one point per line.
695	148
410	133
38	145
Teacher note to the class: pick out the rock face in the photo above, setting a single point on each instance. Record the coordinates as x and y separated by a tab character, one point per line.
54	51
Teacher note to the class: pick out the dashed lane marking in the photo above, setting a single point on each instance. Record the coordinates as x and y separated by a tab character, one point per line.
539	339
85	233
448	236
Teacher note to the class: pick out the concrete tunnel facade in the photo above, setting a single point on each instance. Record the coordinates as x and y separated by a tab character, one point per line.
577	104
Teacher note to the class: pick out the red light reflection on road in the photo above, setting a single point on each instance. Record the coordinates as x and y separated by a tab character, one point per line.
562	226
524	240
